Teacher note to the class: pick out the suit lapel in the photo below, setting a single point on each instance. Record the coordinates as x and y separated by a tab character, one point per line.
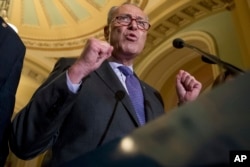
147	106
106	73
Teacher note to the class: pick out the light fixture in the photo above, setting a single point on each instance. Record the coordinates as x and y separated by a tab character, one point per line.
4	8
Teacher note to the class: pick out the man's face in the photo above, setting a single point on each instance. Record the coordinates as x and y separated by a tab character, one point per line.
128	39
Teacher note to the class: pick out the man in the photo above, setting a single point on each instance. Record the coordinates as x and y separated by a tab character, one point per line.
12	52
86	103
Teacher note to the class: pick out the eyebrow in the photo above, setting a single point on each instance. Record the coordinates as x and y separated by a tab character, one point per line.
137	17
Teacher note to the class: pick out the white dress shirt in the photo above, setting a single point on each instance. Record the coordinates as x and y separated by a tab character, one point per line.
74	87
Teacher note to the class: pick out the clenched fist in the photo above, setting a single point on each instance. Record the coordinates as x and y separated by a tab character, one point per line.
187	87
93	55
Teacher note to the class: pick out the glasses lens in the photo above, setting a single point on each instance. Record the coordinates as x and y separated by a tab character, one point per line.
143	25
126	20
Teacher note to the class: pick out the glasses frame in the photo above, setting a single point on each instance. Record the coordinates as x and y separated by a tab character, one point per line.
118	20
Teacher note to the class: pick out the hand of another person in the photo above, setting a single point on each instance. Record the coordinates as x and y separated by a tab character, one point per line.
93	55
187	87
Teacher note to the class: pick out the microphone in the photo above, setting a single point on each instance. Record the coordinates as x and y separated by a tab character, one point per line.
178	43
206	57
119	95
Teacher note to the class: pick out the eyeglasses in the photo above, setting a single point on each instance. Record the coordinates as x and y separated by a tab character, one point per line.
126	20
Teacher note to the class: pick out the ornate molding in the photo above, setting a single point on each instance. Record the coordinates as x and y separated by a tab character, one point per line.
60	44
34	75
179	19
229	4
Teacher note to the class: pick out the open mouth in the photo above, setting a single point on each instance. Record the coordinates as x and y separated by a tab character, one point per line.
131	37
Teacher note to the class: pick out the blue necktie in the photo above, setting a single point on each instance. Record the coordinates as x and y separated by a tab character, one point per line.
135	93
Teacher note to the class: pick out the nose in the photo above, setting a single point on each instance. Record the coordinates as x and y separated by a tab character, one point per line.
133	24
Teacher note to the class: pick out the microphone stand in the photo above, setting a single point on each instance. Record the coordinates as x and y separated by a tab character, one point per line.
216	60
119	95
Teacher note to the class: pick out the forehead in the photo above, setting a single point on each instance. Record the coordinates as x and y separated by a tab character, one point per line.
132	10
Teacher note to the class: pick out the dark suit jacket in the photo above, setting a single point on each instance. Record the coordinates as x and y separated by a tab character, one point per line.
211	131
12	52
73	124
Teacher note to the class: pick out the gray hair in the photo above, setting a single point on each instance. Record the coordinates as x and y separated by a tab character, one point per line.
111	13
114	8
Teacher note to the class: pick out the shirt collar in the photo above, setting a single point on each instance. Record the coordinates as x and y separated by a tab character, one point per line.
115	65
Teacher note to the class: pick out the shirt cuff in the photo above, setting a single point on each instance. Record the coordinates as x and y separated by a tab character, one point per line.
72	87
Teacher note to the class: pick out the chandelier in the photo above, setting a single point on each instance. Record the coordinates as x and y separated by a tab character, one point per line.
4	10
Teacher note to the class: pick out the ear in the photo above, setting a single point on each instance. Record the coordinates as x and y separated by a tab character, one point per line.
106	32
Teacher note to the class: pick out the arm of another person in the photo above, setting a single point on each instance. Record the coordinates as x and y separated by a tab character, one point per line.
12	52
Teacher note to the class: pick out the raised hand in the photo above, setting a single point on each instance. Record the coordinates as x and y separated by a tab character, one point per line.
187	87
93	55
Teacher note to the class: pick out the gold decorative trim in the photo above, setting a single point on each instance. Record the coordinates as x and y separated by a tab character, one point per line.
179	19
229	4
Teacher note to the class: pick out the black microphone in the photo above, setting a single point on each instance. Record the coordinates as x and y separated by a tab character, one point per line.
178	43
119	95
206	57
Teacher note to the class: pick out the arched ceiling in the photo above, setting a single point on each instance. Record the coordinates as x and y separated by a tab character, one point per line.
53	25
61	24
59	19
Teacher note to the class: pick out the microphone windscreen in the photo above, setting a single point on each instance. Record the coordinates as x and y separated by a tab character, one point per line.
119	95
178	43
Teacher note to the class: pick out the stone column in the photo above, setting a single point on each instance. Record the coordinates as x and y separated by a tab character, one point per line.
241	16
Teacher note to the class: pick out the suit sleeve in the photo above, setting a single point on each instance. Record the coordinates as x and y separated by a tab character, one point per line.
12	52
36	127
